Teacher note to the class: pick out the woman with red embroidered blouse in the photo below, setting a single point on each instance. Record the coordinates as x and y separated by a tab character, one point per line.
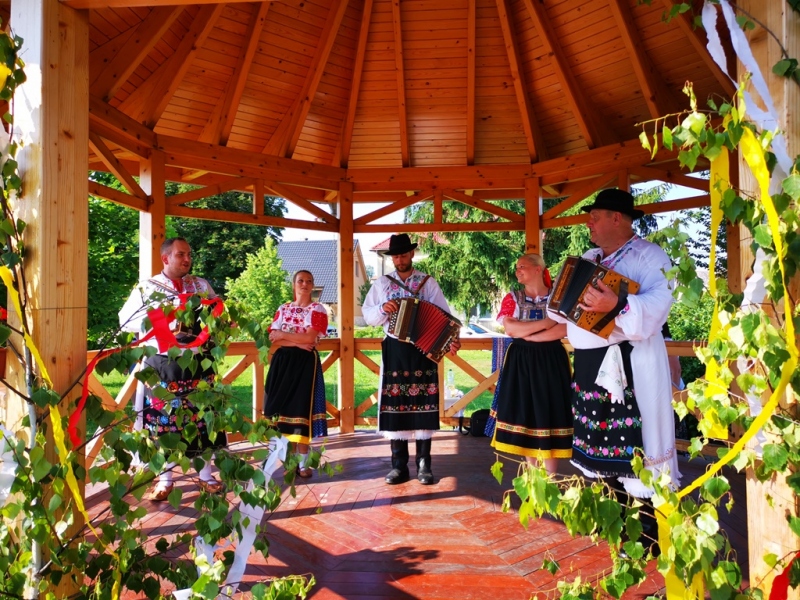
294	394
532	404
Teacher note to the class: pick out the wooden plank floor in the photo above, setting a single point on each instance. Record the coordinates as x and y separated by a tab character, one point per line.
365	540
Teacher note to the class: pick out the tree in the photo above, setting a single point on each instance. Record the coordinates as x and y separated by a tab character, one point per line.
220	249
113	260
262	286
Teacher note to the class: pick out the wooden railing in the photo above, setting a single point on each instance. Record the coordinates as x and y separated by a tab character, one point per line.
248	355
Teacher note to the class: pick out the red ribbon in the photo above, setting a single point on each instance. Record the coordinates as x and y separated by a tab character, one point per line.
548	281
780	585
166	340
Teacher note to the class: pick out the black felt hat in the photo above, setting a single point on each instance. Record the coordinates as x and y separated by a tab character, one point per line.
399	244
616	200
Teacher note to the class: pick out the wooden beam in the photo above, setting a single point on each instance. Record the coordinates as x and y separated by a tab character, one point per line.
471	17
533	136
121	66
346	297
408	200
301	202
114	166
246	218
234	183
654	91
118	138
220	159
129	129
592	128
699	45
355	87
152	221
399	67
438	217
533	220
440	227
484	206
651	209
670	176
218	128
258	197
144	3
284	139
116	196
148	102
583	192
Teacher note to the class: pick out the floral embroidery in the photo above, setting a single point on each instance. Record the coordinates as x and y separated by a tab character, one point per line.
610	451
622	423
595	396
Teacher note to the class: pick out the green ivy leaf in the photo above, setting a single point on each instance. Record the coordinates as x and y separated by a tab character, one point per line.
715	488
794	524
666	135
775	457
551	566
791	185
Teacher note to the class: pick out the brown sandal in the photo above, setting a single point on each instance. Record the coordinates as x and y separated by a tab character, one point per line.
161	492
211	487
304	472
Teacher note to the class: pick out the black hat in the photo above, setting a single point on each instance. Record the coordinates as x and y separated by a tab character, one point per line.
399	244
616	200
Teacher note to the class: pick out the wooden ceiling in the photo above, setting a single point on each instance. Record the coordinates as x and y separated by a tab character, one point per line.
360	84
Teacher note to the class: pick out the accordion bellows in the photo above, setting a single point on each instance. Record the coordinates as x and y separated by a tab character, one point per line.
425	325
575	277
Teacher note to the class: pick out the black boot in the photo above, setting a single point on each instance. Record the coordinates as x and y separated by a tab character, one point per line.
424	473
399	472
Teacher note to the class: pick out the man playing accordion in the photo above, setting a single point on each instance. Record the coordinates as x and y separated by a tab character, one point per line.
409	394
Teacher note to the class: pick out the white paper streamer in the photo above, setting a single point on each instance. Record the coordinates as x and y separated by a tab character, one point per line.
8	464
278	447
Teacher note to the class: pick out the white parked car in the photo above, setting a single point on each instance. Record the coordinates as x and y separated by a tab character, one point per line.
476	330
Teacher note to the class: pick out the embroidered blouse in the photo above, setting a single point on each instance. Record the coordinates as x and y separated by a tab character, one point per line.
299	319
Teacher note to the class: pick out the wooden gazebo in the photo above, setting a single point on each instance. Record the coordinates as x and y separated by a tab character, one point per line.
329	103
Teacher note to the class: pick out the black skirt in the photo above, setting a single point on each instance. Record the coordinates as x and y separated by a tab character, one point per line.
293	382
409	394
533	402
172	416
608	435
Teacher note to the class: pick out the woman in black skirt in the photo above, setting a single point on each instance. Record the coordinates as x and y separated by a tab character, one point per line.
532	408
294	394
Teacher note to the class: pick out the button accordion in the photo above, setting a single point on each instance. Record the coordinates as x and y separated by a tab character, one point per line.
425	325
575	277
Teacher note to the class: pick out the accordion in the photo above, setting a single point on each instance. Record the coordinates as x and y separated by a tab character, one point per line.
425	325
575	277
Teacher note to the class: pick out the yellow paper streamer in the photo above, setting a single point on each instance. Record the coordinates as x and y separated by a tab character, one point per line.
5	274
754	156
77	495
720	175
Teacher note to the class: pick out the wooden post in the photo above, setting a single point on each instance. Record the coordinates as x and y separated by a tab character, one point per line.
51	118
533	216
769	503
347	303
152	224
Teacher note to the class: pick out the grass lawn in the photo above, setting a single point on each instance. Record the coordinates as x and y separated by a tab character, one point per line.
366	383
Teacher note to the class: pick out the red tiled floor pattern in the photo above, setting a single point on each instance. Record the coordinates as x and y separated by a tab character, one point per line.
364	540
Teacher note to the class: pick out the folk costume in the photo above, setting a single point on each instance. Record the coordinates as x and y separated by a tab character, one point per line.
622	396
531	407
294	393
162	417
408	407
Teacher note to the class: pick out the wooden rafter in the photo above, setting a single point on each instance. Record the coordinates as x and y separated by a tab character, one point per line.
355	87
101	191
471	16
585	190
654	91
129	134
592	129
124	62
649	209
218	128
699	45
247	218
138	3
533	136
409	200
438	209
258	197
670	176
148	102
114	166
439	227
234	183
298	200
399	67
284	140
484	206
